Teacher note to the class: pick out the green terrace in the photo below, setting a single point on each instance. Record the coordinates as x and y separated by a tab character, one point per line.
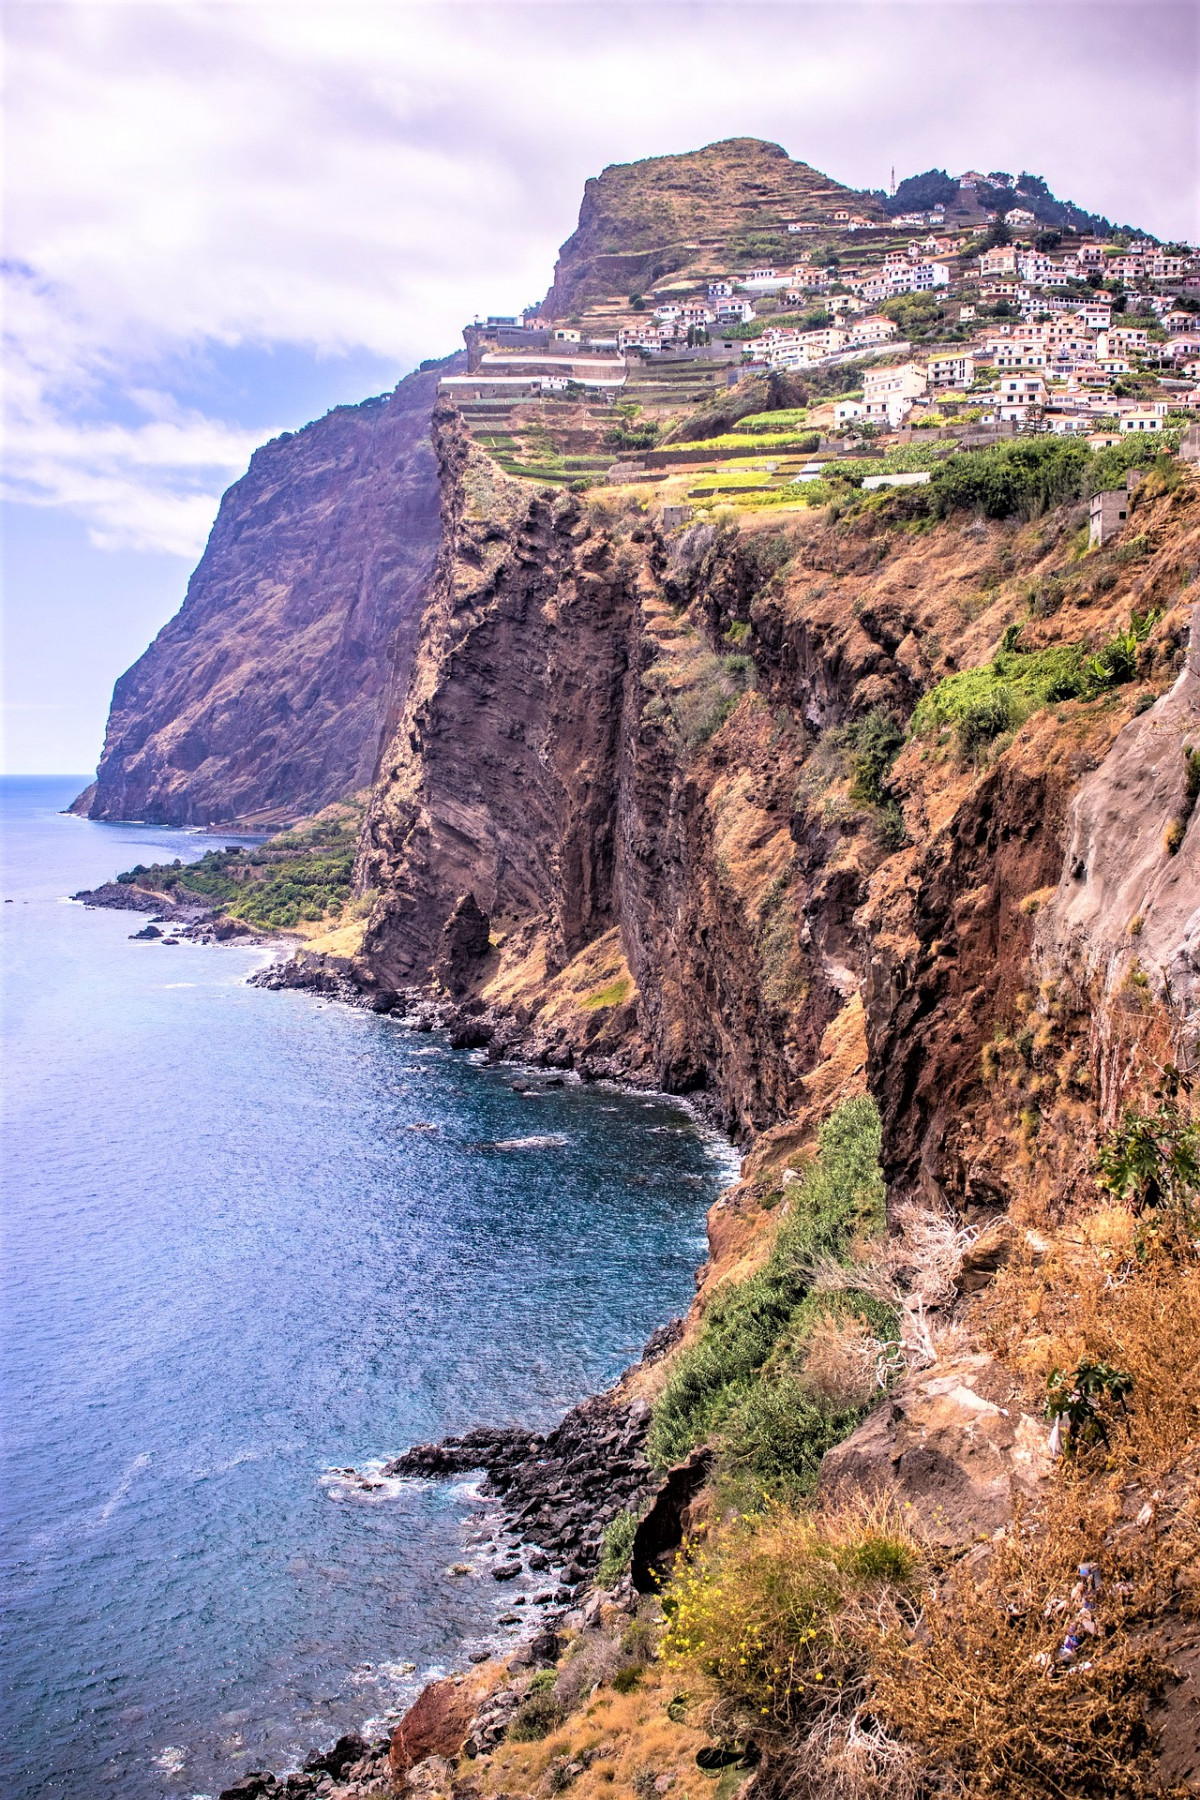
304	876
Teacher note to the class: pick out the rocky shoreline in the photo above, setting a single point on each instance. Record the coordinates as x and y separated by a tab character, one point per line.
558	1492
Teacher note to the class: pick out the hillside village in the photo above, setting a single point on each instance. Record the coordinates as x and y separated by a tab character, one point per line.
897	339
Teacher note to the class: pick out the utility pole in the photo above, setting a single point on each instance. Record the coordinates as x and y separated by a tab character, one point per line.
893	178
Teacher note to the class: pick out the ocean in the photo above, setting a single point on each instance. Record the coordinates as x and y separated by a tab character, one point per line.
251	1239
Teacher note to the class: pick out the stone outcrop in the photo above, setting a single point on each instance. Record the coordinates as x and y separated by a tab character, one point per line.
952	1445
1122	901
559	1491
267	695
436	1724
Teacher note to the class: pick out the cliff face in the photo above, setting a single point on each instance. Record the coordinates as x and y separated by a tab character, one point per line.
265	697
639	221
624	797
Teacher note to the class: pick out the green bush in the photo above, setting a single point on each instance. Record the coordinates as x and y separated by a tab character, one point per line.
876	740
841	1198
984	720
1000	695
1016	480
536	1717
617	1548
775	1436
272	886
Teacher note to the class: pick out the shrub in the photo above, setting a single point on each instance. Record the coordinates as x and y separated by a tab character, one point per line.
772	1615
1000	695
841	1198
625	1680
989	1689
984	719
1013	480
617	1548
1152	1159
776	1435
536	1717
876	740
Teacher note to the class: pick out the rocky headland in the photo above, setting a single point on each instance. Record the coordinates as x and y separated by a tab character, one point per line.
871	826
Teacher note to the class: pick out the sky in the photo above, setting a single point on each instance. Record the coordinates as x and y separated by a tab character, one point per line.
221	219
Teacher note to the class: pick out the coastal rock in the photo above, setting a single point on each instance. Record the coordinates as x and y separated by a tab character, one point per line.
258	1784
952	1446
494	1449
349	1749
122	896
436	1724
664	1527
559	1491
465	937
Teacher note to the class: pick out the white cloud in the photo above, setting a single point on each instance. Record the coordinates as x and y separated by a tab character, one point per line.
346	177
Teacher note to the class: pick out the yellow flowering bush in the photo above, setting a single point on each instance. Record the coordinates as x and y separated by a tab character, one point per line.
777	1615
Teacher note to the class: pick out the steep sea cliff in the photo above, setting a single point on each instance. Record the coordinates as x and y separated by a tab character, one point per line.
870	825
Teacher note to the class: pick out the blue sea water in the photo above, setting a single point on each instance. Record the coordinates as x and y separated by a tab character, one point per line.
250	1238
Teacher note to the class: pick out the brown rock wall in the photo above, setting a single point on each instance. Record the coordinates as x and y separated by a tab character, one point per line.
267	694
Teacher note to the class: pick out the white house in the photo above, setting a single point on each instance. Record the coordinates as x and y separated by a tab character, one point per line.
1143	418
951	370
1017	394
1020	215
1000	261
873	330
888	394
720	290
848	410
740	311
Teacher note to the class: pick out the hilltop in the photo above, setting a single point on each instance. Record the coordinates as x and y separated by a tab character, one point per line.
709	209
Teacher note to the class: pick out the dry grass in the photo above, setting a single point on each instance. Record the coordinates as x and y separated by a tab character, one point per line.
841	1362
916	1270
849	1756
1112	1291
984	1689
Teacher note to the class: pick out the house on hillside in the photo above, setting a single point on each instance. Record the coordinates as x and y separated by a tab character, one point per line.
888	394
951	369
1020	215
1096	315
1107	513
1018	396
1000	261
720	290
1144	418
736	311
875	329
